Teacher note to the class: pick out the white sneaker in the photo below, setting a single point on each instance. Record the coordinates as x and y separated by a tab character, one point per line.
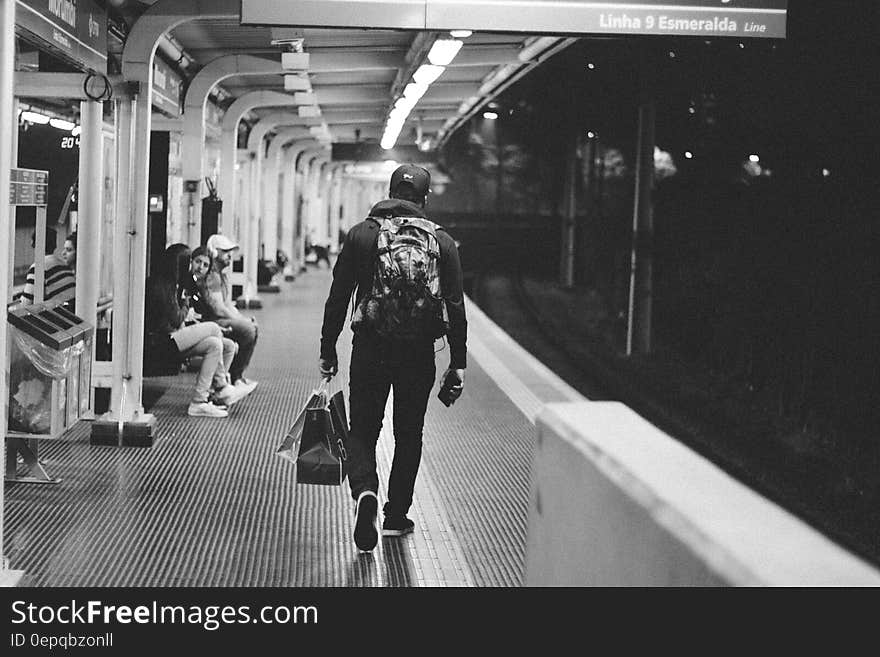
228	395
205	409
245	385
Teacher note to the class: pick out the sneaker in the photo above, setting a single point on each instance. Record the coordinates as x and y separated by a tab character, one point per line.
205	409
398	526
365	533
228	395
212	399
245	385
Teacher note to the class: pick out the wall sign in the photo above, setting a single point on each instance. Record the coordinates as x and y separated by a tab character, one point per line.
74	29
166	88
28	187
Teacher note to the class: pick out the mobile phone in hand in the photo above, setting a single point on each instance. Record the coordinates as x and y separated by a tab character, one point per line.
451	389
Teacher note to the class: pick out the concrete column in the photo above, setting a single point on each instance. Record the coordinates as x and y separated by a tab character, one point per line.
91	187
121	257
7	125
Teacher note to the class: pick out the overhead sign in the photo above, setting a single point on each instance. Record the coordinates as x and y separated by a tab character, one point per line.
74	29
166	88
369	152
717	18
28	187
712	18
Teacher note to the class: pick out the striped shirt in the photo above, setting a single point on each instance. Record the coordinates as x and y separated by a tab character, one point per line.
59	283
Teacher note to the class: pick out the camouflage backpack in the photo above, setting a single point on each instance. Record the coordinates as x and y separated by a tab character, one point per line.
405	300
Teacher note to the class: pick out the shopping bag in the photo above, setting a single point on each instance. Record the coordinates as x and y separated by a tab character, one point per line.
316	440
289	447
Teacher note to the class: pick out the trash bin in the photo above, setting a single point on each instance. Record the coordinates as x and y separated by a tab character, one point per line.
49	370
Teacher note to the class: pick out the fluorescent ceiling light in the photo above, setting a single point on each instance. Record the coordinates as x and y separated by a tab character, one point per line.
35	117
427	73
490	115
444	51
61	124
296	83
461	34
305	98
404	104
395	122
295	61
414	91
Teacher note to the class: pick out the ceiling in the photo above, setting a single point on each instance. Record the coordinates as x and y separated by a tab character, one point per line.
356	74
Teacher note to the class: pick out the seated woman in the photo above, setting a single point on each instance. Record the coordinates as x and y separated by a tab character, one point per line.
166	307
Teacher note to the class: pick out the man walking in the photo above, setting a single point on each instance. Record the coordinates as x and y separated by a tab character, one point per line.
406	274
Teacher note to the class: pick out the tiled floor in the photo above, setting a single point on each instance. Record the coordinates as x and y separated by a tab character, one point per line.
211	505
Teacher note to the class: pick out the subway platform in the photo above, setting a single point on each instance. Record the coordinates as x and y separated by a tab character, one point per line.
210	504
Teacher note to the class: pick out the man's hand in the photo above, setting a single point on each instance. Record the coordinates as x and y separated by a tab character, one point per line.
455	390
458	373
328	368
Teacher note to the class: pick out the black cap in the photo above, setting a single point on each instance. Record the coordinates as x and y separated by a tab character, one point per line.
409	174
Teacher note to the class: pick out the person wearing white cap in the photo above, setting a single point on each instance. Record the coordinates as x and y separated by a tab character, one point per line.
222	310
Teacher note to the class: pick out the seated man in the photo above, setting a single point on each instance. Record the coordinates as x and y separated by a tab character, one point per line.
217	306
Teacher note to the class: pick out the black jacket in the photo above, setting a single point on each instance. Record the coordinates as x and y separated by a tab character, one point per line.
354	272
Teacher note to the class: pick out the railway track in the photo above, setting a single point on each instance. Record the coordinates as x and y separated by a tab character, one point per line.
812	489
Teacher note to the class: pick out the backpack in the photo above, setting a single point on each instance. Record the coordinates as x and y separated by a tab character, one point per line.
405	301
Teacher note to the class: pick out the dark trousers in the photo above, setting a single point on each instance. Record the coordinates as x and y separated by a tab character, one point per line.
376	367
244	333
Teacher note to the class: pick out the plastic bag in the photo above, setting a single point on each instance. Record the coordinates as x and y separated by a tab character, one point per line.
54	363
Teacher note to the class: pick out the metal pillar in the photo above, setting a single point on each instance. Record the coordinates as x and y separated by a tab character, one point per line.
126	418
334	204
244	212
638	338
269	218
226	187
13	153
569	216
287	214
138	263
7	125
253	217
192	162
91	202
120	400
